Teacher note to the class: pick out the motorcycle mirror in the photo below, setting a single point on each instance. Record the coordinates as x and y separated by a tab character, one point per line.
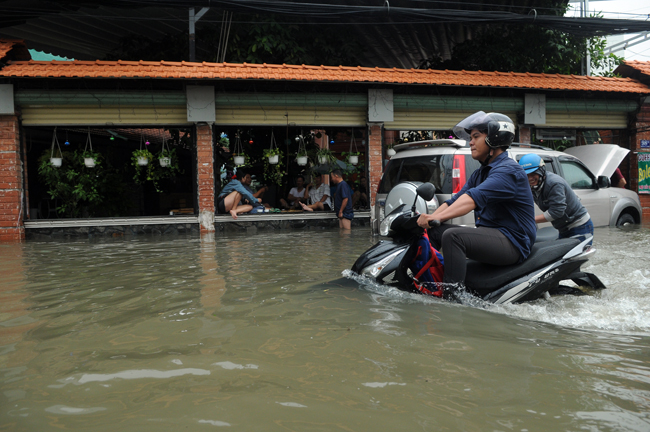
426	191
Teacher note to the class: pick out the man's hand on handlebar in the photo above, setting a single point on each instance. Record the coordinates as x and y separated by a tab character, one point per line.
427	221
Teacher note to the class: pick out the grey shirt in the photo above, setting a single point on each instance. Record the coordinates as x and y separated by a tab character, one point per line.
561	206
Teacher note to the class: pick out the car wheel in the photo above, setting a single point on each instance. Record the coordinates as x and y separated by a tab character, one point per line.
625	220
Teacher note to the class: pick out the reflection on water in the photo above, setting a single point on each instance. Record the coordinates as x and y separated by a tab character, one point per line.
261	332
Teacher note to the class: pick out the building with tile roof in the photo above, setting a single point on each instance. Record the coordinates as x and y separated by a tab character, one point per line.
205	98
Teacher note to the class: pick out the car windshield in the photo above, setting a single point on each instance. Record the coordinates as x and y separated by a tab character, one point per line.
436	169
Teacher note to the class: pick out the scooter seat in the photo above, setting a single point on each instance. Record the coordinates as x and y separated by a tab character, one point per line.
484	278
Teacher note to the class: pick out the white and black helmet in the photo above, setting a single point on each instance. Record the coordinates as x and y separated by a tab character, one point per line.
499	128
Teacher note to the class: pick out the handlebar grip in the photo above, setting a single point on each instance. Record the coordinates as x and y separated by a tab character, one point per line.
434	223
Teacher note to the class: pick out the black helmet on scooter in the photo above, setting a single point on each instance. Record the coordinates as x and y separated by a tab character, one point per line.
499	128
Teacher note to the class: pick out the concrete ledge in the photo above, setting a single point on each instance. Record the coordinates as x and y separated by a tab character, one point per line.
162	225
277	221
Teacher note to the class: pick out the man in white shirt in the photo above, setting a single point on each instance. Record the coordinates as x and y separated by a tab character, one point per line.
297	195
319	195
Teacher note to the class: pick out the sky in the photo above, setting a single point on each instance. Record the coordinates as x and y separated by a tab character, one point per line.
622	9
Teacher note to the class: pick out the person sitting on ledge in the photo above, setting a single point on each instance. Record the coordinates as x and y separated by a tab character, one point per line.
297	195
246	182
229	199
319	195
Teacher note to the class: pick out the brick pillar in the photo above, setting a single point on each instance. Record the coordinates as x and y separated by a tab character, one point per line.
642	128
11	184
205	172
524	134
375	165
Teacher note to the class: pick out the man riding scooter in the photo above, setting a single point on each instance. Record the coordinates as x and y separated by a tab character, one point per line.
499	195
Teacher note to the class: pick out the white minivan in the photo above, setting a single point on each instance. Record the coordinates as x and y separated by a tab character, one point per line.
447	163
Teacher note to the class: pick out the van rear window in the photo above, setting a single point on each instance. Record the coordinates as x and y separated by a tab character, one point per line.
435	169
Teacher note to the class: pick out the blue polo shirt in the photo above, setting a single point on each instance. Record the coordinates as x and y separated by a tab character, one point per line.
503	201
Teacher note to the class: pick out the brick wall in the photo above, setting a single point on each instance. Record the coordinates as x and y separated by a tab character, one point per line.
642	127
11	186
375	156
205	172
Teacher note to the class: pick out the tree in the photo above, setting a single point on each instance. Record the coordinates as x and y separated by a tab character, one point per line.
253	39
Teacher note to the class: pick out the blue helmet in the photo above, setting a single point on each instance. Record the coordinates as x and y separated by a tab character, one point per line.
531	163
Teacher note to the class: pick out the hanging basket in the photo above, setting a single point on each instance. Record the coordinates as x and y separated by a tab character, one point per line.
273	155
322	160
301	160
390	152
353	159
238	151
56	161
89	159
164	157
143	161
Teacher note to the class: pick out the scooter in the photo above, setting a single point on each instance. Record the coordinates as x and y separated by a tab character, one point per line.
539	276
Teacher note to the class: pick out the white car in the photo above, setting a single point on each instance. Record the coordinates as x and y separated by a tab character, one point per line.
447	163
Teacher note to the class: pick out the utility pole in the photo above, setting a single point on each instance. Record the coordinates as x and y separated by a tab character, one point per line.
194	18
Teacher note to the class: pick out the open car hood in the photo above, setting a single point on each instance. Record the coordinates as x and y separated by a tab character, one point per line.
601	159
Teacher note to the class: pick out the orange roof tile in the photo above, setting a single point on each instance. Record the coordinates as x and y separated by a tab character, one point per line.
20	50
214	71
641	66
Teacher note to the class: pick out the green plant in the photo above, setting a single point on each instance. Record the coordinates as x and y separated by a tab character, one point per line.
82	191
271	152
274	173
153	172
325	156
224	141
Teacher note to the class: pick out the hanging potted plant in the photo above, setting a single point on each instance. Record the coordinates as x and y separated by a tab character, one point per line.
352	157
273	172
273	153
325	156
301	155
353	154
56	161
89	156
165	156
142	156
238	152
390	151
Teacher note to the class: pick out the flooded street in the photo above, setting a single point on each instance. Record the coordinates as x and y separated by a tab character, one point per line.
263	332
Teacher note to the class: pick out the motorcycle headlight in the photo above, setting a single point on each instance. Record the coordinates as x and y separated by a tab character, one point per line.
384	227
375	269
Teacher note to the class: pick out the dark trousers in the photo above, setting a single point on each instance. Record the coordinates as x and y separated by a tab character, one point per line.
457	243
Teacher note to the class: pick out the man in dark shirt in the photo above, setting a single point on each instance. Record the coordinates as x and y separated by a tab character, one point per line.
500	196
342	200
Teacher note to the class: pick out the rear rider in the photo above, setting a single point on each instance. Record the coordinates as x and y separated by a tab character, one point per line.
499	194
555	198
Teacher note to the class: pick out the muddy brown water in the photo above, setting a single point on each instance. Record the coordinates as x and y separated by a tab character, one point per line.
265	332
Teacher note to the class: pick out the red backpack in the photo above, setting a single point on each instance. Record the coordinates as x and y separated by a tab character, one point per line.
427	267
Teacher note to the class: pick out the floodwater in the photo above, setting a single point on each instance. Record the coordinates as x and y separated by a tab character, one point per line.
262	332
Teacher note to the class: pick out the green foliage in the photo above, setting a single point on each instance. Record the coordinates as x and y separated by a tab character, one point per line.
272	152
267	39
79	189
327	155
274	173
154	172
529	48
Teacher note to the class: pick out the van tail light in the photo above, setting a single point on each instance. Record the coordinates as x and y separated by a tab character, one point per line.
458	178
